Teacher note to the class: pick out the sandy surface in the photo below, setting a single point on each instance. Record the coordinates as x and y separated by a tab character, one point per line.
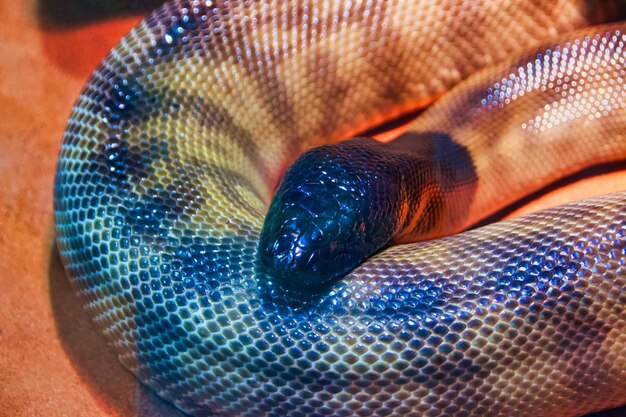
53	361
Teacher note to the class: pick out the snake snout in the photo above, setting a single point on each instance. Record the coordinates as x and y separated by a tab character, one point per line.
327	215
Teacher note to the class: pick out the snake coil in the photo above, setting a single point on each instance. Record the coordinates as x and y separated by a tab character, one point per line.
182	133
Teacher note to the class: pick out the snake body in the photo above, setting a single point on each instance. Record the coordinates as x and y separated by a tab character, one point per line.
180	136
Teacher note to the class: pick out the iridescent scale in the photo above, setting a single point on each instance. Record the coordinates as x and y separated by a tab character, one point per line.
180	136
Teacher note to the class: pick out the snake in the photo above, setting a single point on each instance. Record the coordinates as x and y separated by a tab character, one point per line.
362	293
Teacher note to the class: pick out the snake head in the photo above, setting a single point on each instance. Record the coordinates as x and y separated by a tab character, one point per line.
330	212
339	204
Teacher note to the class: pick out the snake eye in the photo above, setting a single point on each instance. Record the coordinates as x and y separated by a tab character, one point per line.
326	216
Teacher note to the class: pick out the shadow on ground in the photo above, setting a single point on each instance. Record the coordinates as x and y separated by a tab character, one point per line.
66	14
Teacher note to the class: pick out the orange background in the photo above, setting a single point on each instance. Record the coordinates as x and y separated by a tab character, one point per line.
53	361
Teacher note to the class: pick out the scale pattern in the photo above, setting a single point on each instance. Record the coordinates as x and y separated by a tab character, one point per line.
499	135
166	171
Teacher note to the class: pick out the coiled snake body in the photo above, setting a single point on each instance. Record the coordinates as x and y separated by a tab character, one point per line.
180	136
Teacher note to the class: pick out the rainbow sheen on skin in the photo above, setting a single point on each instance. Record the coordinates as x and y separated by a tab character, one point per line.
179	137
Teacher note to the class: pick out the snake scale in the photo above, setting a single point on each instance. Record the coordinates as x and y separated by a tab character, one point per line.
181	135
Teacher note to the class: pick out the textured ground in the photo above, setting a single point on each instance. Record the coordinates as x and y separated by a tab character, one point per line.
53	362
